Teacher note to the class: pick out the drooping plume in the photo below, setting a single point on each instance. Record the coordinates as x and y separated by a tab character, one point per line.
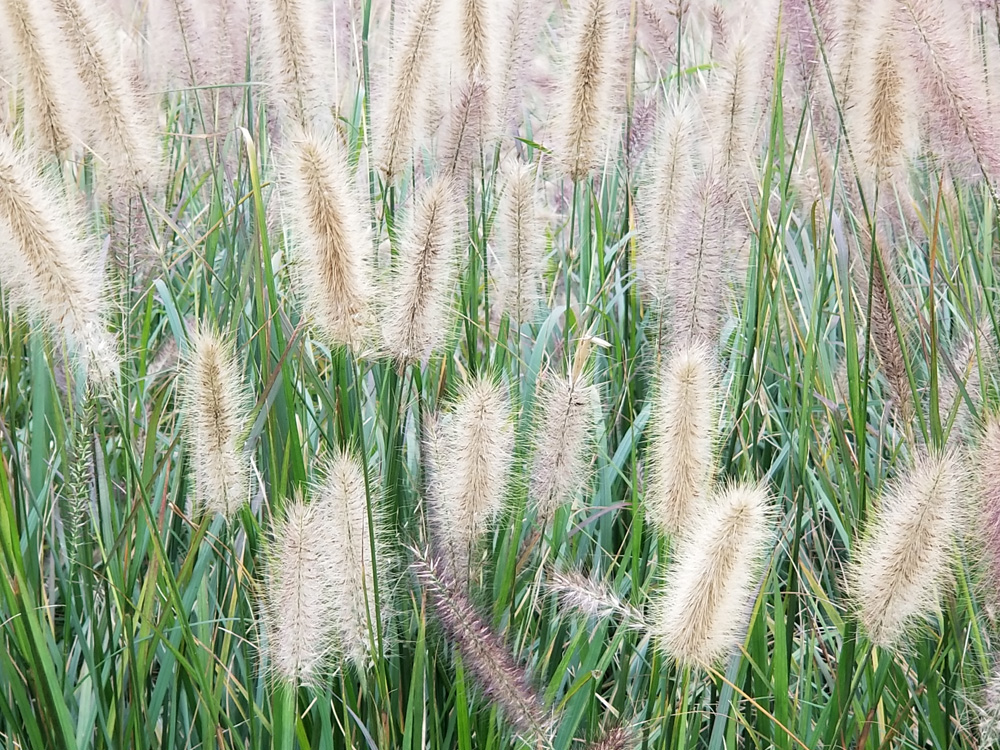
47	266
567	417
26	29
595	599
483	652
216	408
299	606
586	105
710	585
669	186
474	452
418	312
291	33
903	563
333	240
115	119
358	605
684	433
520	234
409	85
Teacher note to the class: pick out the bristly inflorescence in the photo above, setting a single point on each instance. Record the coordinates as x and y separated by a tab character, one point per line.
520	245
216	409
333	240
703	609
902	565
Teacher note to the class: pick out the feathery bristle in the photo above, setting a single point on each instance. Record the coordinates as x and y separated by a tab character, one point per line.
475	450
520	245
294	49
483	651
215	413
332	231
701	614
669	185
903	562
568	415
48	268
591	598
116	121
409	87
299	606
353	566
27	29
955	392
417	315
585	107
682	446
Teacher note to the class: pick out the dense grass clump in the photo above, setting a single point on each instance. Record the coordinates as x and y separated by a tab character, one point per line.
499	374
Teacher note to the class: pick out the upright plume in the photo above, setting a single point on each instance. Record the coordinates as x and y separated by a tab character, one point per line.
586	106
701	615
474	453
299	604
333	239
988	479
26	34
684	433
354	564
568	411
417	314
520	245
903	563
48	267
409	85
116	121
669	185
517	39
216	409
291	33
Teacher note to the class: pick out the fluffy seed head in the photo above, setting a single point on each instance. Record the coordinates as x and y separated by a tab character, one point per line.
483	651
333	240
474	453
47	267
353	564
517	40
586	103
701	614
26	30
520	245
410	84
115	119
567	417
292	41
464	133
475	19
215	403
684	432
298	606
418	312
902	564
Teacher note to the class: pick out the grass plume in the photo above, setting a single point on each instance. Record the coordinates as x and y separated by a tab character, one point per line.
710	585
216	408
520	245
902	564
